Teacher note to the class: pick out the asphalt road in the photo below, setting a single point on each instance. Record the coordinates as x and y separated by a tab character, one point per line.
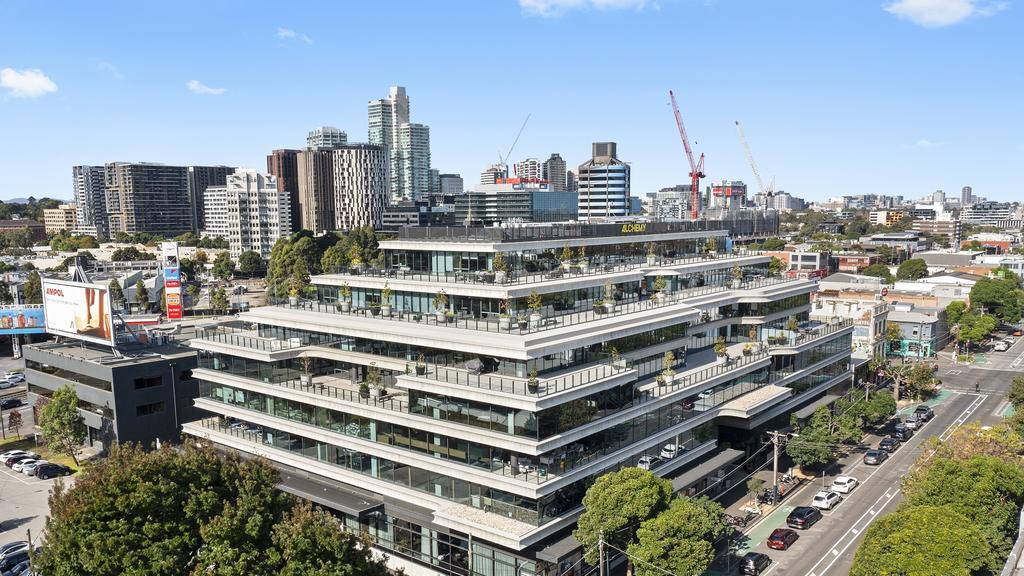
827	548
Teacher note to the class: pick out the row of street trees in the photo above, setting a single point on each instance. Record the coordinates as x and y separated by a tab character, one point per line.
819	440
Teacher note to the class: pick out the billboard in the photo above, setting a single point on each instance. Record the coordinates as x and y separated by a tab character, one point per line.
78	310
172	279
23	319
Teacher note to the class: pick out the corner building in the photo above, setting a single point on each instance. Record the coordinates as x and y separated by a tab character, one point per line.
472	444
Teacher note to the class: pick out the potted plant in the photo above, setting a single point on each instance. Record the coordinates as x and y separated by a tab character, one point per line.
346	298
748	349
306	376
375	309
364	390
532	384
535	304
355	259
293	296
660	286
449	316
440	305
737	276
584	264
373	379
711	246
385	300
609	296
667	373
521	320
651	256
617	360
660	379
599	307
504	318
792	324
752	334
566	257
500	267
721	350
421	365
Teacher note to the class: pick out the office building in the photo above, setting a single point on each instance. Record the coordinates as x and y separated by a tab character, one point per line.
939	198
571	182
603	184
199	179
141	395
530	169
885	217
672	202
316	189
460	440
250	211
90	200
493	174
60	219
360	173
489	204
553	171
326	137
949	230
407	144
434	182
986	213
35	230
145	197
283	164
966	196
451	184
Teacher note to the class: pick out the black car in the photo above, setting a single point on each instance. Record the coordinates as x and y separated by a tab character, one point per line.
803	517
901	431
889	444
924	412
10	403
13	559
52	470
754	563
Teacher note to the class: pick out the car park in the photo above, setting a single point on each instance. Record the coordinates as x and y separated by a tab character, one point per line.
924	412
52	470
1010	339
875	457
803	517
889	444
5	384
754	563
9	453
844	484
10	403
669	452
12	547
782	538
825	500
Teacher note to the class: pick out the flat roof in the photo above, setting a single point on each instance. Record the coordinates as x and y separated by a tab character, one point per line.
134	354
694	474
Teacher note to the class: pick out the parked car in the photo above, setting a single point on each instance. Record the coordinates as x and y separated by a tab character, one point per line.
889	444
13	559
754	563
12	547
913	422
10	403
803	517
52	470
1001	346
30	468
1010	339
15	377
9	453
669	452
20	464
844	484
19	570
924	412
875	457
5	384
825	500
648	462
901	431
782	538
11	461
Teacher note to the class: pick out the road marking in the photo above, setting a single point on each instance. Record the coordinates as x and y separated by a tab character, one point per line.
1017	361
954	372
855	531
835	552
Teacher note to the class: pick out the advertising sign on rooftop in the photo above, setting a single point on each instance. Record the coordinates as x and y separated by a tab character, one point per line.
78	310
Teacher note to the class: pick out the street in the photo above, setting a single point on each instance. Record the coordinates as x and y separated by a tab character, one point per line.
828	547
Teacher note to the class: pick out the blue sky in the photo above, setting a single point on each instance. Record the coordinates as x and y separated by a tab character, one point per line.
835	96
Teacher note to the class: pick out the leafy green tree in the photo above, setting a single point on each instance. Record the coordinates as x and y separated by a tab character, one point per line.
223	266
1016	395
879	271
912	269
974	327
334	257
999	295
310	542
811	446
616	504
131	253
774	244
920	382
878	408
923	541
193	292
6	297
33	288
249	263
680	539
202	258
62	424
955	311
886	253
972	439
893	336
776	266
188	269
987	490
141	295
219	300
116	293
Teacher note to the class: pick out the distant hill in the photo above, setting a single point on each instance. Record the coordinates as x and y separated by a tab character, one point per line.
25	200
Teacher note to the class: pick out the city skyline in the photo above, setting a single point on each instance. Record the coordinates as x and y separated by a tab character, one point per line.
914	95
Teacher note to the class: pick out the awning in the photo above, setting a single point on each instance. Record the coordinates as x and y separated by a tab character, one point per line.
330	494
808	410
559	549
705	468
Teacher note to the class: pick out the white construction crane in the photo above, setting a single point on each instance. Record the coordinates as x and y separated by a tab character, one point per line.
768	190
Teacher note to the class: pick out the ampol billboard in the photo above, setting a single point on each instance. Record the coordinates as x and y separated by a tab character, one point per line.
78	310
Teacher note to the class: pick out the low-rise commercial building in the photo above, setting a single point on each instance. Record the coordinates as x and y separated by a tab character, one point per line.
515	202
923	330
59	219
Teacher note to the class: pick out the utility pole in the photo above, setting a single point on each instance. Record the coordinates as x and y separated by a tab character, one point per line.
776	442
600	554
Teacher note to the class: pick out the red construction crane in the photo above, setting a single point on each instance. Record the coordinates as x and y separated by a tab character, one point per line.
696	168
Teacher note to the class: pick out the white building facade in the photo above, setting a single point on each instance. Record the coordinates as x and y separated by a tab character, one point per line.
603	184
249	211
360	186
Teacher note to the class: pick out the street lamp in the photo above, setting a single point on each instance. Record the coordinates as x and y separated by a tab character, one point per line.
174	397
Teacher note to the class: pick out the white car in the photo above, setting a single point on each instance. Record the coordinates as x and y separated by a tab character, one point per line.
705	394
15	377
825	500
10	453
5	383
844	484
647	462
1010	340
669	452
1001	346
19	466
30	468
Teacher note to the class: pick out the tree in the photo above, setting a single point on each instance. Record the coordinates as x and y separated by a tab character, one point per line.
776	266
680	539
188	269
986	490
131	253
810	447
893	336
249	263
33	288
921	540
14	422
616	504
310	542
886	253
193	292
999	295
219	300
1016	395
62	424
774	244
334	257
912	269
878	408
223	266
972	439
974	327
116	294
202	257
955	311
879	271
920	382
142	295
6	297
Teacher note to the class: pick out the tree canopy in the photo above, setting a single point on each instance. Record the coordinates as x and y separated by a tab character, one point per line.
249	263
974	327
319	254
33	288
912	269
999	295
680	539
61	423
955	311
223	266
131	253
879	271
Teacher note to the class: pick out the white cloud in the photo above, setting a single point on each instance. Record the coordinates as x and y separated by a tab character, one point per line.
925	144
555	8
941	13
289	34
110	69
26	83
199	88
